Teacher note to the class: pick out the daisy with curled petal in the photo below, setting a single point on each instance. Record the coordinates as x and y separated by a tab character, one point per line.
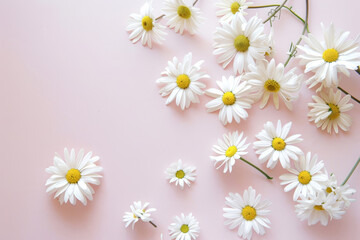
71	179
232	99
181	174
182	81
275	144
184	228
229	9
307	176
336	54
138	211
143	26
247	212
242	41
182	17
328	111
267	79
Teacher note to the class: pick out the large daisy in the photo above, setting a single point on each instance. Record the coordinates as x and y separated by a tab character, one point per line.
328	111
247	212
242	41
138	211
71	179
181	81
326	58
229	9
143	26
181	174
231	99
184	228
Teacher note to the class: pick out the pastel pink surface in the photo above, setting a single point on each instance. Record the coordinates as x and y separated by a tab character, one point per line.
69	77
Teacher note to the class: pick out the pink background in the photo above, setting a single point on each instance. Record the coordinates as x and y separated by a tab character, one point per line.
69	77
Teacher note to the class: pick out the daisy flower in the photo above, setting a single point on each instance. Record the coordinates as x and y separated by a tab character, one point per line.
335	54
307	176
71	179
182	17
184	228
181	81
248	212
143	26
232	99
229	9
328	111
267	79
229	150
180	174
275	144
242	41
138	211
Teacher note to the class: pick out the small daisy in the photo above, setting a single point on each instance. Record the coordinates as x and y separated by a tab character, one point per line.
232	99
328	111
181	81
180	174
184	228
143	26
326	58
275	144
71	179
307	176
242	41
248	212
182	16
138	211
229	9
267	79
229	150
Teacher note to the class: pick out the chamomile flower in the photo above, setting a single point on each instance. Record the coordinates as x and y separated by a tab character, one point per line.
143	26
268	79
182	17
184	228
181	174
326	58
182	81
247	212
242	41
307	176
138	212
229	150
275	145
71	179
229	9
343	193
232	99
328	111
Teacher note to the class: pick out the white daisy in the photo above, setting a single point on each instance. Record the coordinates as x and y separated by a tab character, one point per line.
182	17
343	193
143	26
307	176
229	150
229	9
138	211
242	41
71	179
267	79
248	212
180	174
326	58
328	111
275	144
182	81
184	228
232	99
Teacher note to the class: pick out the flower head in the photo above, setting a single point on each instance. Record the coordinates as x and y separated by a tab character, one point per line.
228	10
138	211
184	228
181	174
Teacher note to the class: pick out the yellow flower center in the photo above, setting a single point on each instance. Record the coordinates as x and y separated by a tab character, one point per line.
135	216
228	98
184	12
328	190
241	43
73	175
249	213
184	228
183	81
147	23
278	144
180	174
304	177
330	55
235	7
272	85
318	207
231	151
335	111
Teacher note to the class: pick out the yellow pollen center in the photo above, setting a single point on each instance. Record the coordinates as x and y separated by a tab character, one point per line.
228	98
135	216
304	177
184	228
183	81
330	55
241	43
180	174
272	85
278	144
335	111
318	207
235	7
249	213
147	23
73	175
231	151
184	12
328	190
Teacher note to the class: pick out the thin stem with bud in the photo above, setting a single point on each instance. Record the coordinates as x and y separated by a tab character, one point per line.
267	176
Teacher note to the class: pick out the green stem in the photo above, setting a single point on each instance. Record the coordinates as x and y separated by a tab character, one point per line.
351	172
195	2
267	176
344	91
153	224
358	70
276	10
